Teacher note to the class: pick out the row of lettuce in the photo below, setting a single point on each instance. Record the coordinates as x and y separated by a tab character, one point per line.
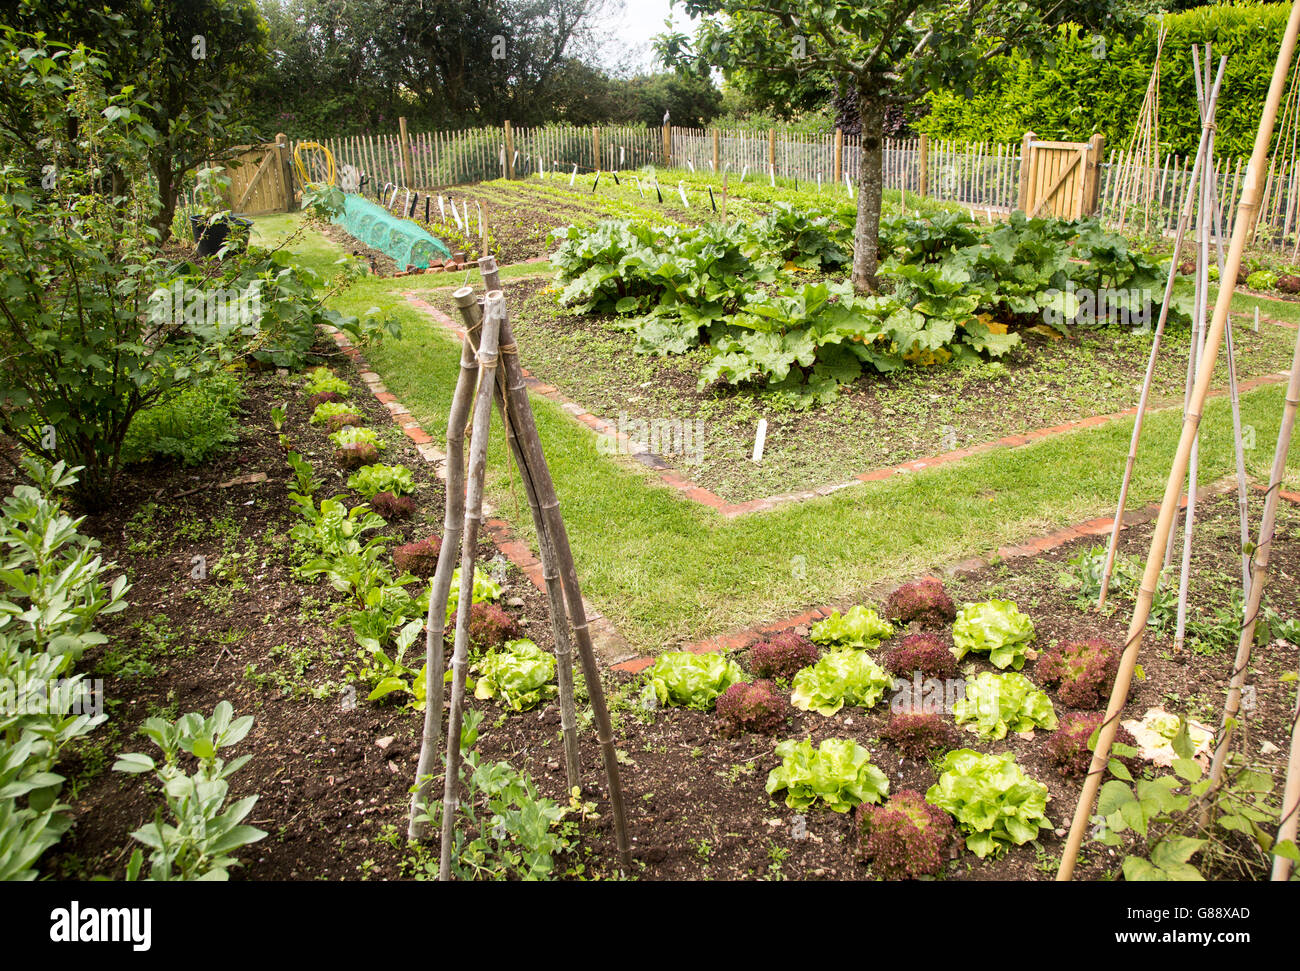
951	290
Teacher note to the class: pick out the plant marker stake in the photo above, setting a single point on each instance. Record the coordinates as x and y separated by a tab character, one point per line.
819	180
691	166
442	209
487	361
771	171
711	199
848	185
1256	318
426	209
744	172
615	175
658	193
682	192
574	176
414	202
555	538
760	439
596	183
1246	210
1183	219
638	187
622	156
541	167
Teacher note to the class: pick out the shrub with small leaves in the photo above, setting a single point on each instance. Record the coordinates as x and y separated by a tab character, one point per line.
490	626
917	735
420	558
923	601
752	707
905	838
1067	748
782	655
1084	671
924	652
393	507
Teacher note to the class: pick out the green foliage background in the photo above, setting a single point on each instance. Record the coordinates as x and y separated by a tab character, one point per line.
1075	93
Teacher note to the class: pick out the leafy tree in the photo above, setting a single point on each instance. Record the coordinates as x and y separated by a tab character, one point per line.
890	53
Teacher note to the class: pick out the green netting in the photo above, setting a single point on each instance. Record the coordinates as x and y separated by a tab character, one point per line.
403	240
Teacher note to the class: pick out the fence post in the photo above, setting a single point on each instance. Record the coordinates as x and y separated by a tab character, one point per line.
923	165
406	151
668	146
1092	187
286	171
510	150
771	150
1025	143
595	147
717	155
839	154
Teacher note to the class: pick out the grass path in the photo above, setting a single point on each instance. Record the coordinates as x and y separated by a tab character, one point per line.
667	571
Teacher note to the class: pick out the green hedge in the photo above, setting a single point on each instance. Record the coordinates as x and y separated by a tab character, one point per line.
1081	93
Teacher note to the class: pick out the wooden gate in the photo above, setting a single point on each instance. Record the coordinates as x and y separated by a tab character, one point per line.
1061	179
261	180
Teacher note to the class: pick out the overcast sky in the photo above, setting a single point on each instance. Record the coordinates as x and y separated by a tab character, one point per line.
630	31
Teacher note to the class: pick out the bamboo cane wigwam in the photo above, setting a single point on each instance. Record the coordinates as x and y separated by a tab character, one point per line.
491	373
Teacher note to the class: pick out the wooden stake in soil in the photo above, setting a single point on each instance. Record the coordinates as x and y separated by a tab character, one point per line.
1191	423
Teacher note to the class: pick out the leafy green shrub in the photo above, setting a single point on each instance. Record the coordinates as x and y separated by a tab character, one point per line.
1070	747
322	380
993	801
781	655
923	652
691	680
1262	280
1084	670
905	838
204	828
918	734
921	601
861	628
838	772
998	703
189	426
996	628
370	480
844	677
520	673
752	707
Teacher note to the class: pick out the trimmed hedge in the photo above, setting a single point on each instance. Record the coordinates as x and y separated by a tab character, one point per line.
1079	93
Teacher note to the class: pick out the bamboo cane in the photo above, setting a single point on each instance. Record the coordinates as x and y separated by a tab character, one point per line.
439	590
1183	219
1259	570
487	361
526	430
1290	801
1191	422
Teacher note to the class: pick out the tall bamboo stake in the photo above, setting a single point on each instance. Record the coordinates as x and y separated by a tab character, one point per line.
526	430
439	591
1178	470
1183	219
1290	801
487	362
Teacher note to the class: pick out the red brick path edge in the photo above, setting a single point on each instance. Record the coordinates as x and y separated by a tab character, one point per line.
1093	527
609	643
697	493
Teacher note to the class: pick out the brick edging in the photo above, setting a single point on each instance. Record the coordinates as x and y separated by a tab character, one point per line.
1092	527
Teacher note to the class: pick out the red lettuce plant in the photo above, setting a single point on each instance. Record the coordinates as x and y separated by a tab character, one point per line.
393	507
490	626
1067	747
1085	671
752	707
918	734
921	601
339	422
924	652
419	558
356	454
782	655
319	399
905	838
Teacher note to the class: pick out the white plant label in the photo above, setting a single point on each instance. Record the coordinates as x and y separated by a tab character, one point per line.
760	440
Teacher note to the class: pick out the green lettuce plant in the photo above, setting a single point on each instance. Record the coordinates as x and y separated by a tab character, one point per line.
838	772
520	673
321	380
993	801
681	678
840	678
328	409
353	435
860	628
370	480
996	628
998	703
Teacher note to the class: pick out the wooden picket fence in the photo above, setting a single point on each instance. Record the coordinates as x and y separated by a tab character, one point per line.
983	176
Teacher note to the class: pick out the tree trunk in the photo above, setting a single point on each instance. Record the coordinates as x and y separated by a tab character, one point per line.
167	194
866	233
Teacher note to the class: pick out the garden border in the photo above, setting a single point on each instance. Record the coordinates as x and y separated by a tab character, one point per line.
697	493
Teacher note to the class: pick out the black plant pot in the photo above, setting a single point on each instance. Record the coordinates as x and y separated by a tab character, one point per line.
211	236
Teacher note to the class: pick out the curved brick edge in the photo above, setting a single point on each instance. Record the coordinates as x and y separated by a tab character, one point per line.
608	642
697	493
1092	527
